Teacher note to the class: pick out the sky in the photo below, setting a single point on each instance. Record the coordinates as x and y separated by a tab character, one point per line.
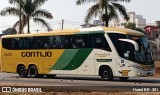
73	15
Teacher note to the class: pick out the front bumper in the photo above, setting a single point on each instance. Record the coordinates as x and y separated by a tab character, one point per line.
141	73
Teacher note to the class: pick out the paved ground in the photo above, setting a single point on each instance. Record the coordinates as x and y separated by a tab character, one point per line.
61	80
82	84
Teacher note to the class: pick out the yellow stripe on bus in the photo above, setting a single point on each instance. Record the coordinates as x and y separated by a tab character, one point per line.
28	57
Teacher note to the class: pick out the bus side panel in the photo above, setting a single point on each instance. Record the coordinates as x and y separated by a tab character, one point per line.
105	58
8	65
8	61
87	67
12	58
43	64
70	61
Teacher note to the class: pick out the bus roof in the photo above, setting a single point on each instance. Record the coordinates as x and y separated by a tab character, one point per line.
124	31
83	31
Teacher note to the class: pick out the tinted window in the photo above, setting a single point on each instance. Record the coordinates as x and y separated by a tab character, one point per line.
57	42
60	42
100	42
121	46
81	41
7	43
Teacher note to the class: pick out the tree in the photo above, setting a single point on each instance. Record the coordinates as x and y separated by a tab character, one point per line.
30	10
109	7
132	26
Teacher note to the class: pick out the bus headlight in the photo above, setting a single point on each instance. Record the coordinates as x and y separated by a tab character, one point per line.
139	74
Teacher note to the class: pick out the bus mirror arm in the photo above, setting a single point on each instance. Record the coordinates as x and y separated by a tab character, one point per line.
131	41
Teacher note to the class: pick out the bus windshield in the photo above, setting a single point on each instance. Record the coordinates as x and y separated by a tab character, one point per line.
142	56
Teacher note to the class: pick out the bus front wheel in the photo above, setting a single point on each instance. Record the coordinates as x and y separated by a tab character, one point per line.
33	71
106	73
22	71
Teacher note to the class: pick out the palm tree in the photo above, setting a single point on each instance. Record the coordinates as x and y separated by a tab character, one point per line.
30	10
109	7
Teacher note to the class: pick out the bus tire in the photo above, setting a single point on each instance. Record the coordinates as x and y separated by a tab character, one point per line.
123	78
22	71
32	71
51	76
106	73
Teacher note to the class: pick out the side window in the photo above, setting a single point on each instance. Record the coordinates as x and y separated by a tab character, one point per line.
40	43
58	42
10	43
115	36
61	42
52	42
7	43
47	42
81	41
24	43
32	43
121	46
99	41
15	44
67	42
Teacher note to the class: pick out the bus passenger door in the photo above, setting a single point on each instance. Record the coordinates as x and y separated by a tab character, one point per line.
126	53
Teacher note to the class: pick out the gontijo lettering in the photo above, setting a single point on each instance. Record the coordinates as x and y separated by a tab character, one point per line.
36	54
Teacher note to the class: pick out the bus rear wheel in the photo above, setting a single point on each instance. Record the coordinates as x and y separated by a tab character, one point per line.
33	71
123	78
22	71
106	74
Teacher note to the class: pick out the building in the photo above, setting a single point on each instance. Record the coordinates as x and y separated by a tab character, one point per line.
137	19
151	30
95	23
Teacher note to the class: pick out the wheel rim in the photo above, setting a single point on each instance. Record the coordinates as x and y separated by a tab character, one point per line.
32	72
22	71
106	74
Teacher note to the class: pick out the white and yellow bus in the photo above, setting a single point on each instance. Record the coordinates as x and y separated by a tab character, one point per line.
99	51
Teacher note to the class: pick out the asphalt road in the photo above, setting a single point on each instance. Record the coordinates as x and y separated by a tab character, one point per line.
70	83
64	80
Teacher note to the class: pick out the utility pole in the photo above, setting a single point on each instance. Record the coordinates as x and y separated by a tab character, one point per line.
20	24
62	23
